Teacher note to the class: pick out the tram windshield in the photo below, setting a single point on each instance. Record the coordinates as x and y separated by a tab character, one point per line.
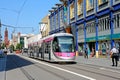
63	44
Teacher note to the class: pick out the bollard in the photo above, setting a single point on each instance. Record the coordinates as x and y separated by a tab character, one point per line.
76	53
97	55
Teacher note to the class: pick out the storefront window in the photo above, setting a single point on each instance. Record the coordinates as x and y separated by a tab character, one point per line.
89	4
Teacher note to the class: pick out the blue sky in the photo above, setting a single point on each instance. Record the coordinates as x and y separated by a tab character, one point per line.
24	13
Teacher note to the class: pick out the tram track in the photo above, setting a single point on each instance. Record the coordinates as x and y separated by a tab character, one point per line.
97	66
29	77
51	72
86	70
76	68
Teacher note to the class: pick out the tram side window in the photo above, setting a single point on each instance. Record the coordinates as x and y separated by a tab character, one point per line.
55	45
47	47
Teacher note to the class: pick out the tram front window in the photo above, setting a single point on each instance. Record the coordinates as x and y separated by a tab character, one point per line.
66	44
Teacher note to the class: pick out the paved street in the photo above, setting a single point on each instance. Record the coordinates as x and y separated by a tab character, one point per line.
20	67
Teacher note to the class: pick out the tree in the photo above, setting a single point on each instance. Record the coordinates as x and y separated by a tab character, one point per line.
18	46
12	47
3	45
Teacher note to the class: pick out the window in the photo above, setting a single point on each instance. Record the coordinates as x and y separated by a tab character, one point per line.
100	2
80	7
47	47
99	25
103	24
89	5
53	23
90	27
116	0
57	20
117	21
80	30
72	15
61	17
65	14
63	44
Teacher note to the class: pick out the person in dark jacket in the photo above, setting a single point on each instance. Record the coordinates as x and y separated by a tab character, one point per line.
86	53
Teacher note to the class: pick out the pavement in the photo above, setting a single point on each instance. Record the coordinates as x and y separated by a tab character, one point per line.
98	62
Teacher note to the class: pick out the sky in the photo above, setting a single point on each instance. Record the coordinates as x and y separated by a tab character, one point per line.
24	13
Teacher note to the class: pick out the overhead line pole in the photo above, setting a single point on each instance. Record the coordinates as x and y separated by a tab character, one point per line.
0	34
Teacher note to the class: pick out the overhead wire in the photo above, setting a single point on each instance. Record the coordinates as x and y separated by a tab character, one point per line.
19	12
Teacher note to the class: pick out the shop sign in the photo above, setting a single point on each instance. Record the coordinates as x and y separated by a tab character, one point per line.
105	37
116	36
91	39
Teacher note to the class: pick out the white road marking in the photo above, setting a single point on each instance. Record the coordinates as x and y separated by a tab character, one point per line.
80	75
109	70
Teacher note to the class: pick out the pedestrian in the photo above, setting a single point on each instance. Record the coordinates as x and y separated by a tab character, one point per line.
107	52
114	53
119	53
86	53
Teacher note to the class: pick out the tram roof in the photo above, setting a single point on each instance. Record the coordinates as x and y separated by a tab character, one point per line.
58	34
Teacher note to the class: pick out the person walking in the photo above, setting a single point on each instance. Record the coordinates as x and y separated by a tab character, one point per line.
108	53
119	53
86	53
114	53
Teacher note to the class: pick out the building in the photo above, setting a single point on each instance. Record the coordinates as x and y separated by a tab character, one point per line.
34	39
6	41
94	23
45	26
20	38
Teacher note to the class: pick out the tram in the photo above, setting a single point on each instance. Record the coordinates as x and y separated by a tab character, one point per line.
58	47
